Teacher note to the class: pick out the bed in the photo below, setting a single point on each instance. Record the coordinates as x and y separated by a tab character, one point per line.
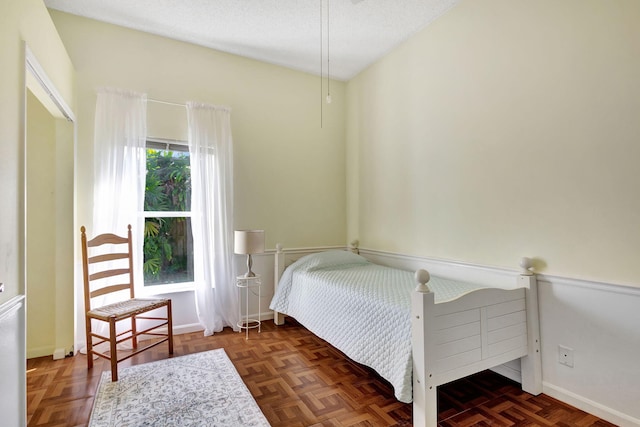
417	337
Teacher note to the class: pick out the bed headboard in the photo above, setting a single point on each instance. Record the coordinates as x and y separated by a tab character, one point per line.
284	258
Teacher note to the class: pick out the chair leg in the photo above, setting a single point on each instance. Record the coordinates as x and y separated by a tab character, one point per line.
113	357
134	336
170	327
89	344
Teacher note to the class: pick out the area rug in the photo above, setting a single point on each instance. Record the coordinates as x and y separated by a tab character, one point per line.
202	389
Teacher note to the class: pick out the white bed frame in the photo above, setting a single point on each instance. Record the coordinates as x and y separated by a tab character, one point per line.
452	340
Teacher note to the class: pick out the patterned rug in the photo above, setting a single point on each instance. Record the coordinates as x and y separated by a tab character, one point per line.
201	389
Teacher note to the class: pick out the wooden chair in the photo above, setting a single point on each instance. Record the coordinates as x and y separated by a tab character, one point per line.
107	251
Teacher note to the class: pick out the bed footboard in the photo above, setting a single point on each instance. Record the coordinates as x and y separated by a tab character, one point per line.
478	331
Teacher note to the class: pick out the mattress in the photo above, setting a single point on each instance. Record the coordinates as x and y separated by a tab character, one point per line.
361	308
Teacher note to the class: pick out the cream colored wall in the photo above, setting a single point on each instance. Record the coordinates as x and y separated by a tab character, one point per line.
505	129
22	20
41	229
289	173
65	236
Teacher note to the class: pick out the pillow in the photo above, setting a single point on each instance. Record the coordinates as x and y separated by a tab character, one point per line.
329	259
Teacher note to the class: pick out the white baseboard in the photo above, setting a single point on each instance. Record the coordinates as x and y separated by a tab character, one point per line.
185	329
196	327
589	406
59	354
266	316
177	330
48	350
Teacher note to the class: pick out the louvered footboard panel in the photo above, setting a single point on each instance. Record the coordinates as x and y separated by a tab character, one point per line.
479	327
506	328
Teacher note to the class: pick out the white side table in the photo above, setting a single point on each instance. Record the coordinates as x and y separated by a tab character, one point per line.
246	286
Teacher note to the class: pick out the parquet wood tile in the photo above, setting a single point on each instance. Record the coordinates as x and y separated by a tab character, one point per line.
298	380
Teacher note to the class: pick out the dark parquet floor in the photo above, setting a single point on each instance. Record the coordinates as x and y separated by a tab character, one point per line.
299	380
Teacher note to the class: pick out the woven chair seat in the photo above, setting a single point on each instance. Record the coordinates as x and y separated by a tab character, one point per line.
125	309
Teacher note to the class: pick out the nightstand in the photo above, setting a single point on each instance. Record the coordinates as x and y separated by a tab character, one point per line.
247	286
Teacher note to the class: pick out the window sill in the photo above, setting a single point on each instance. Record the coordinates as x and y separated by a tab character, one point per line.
171	288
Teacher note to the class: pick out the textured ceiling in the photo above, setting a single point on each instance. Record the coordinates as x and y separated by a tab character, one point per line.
282	32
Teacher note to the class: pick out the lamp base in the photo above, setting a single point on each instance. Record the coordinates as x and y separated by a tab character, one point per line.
249	273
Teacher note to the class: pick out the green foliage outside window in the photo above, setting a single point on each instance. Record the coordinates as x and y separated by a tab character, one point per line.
167	249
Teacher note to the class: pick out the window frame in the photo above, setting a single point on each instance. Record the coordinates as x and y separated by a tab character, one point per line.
166	288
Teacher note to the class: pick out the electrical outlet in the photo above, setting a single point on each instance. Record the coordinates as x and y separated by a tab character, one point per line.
1	287
565	356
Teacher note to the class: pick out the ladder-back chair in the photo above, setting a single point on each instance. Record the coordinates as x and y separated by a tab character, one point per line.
105	257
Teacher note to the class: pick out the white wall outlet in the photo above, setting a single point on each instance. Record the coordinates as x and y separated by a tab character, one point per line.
565	356
1	287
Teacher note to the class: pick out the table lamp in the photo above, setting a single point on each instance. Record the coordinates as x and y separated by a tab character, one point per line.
247	242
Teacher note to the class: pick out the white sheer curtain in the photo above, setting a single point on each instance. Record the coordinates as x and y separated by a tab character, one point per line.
120	167
119	173
211	152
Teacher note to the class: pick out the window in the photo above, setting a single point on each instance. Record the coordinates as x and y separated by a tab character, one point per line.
168	242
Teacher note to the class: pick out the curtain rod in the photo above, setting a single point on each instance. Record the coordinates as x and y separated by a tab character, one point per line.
215	107
167	102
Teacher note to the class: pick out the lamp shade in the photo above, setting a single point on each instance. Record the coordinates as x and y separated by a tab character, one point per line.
249	241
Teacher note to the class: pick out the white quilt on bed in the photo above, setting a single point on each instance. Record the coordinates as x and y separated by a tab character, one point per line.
361	308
